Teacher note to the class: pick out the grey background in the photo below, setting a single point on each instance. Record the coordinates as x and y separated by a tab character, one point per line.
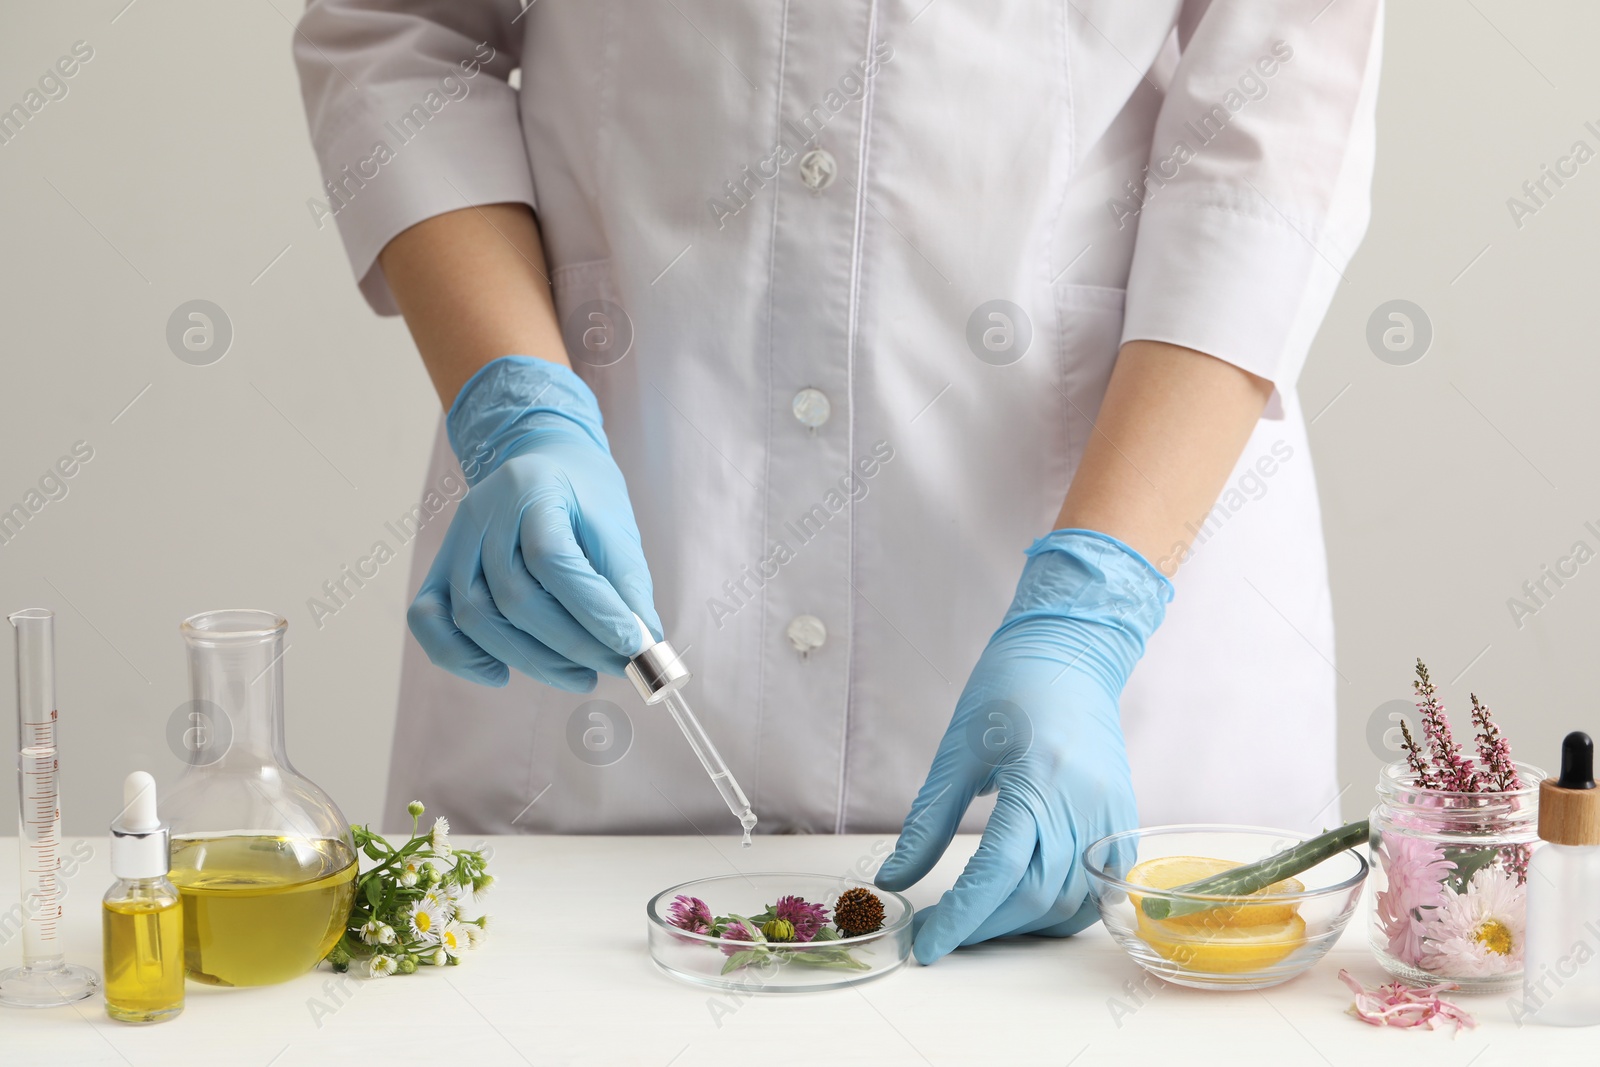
177	169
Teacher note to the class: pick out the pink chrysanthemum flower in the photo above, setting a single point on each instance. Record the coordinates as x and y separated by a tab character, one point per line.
689	913
807	918
1479	932
1416	870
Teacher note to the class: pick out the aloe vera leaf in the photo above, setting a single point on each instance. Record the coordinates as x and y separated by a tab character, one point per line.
1254	877
1468	862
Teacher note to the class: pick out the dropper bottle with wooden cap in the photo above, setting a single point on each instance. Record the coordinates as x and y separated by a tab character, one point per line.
1561	968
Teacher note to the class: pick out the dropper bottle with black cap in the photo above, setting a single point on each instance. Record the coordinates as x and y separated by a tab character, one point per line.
1561	968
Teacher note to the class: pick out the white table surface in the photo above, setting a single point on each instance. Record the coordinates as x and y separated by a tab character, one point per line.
566	978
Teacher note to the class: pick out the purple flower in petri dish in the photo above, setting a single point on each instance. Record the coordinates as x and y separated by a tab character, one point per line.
807	918
689	913
737	932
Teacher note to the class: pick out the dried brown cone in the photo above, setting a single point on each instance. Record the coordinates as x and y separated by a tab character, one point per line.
858	912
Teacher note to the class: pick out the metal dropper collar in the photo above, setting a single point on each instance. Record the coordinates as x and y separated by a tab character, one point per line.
141	845
657	670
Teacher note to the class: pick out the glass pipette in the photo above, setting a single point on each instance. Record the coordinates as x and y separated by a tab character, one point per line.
660	675
712	761
45	979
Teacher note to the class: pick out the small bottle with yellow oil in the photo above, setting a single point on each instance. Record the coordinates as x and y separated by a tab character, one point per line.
142	913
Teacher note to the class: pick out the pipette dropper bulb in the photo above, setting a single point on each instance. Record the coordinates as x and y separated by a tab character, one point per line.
139	803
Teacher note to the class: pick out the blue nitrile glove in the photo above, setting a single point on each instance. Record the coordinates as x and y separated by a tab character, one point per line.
1037	724
541	568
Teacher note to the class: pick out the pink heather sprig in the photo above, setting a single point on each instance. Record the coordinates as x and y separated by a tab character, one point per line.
1443	767
1416	760
1496	773
1516	860
1452	770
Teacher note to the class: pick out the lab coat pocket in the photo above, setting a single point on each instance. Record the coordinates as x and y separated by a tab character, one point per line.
1089	326
595	326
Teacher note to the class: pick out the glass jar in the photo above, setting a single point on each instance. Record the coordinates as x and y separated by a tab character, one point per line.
1449	880
263	858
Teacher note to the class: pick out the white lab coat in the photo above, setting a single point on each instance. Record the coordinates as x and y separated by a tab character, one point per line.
977	152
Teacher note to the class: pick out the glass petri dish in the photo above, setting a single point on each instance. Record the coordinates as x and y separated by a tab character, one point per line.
707	960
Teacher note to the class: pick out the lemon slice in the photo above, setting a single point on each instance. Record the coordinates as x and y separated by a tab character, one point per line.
1169	872
1223	949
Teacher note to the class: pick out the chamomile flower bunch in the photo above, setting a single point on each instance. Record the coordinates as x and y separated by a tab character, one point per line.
407	911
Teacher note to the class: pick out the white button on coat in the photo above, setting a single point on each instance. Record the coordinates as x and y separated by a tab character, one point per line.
1200	181
811	407
806	633
818	168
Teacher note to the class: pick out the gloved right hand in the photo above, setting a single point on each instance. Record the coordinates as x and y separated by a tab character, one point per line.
542	567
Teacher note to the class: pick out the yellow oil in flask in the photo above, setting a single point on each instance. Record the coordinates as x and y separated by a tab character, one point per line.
262	857
260	910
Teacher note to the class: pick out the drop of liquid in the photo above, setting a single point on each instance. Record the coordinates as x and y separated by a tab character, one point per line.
748	821
746	842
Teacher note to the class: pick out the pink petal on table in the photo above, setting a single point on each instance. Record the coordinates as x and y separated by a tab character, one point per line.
1399	1005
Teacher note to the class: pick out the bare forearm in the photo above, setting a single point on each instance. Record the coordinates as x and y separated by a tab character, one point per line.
472	286
1169	432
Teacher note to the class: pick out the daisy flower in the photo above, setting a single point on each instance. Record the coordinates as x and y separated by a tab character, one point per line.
475	934
378	966
689	913
453	939
375	932
440	837
441	900
426	920
439	958
807	918
481	885
1478	933
411	873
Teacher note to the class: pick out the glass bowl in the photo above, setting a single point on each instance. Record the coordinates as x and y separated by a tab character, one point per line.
789	967
1236	942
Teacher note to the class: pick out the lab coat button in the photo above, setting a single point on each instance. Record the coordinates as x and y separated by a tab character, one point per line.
811	407
806	632
818	169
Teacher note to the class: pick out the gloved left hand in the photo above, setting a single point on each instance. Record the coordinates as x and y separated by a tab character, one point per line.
1038	724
